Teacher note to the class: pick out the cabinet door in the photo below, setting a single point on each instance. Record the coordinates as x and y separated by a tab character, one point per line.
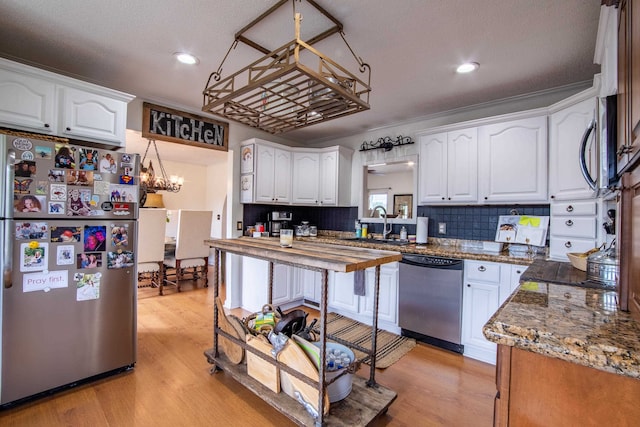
282	293
462	165
87	115
388	296
480	301
329	178
516	272
513	161
27	102
624	85
432	185
265	173
282	176
634	88
311	284
567	128
341	294
306	173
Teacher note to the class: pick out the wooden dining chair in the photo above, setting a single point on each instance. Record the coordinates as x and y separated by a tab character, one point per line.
150	248
192	255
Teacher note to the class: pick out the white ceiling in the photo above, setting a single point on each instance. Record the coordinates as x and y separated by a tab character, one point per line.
412	46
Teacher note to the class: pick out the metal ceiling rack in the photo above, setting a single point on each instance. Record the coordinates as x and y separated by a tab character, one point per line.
278	93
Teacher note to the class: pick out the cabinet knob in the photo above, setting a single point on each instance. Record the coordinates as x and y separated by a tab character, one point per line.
569	208
567	244
518	272
468	285
482	268
486	198
553	197
46	125
443	198
68	129
449	198
569	223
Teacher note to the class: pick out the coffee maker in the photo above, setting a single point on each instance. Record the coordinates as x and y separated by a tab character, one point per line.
278	220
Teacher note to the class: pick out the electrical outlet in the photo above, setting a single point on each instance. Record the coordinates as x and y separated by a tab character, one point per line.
442	228
239	225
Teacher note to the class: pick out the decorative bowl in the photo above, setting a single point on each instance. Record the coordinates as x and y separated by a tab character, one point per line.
578	260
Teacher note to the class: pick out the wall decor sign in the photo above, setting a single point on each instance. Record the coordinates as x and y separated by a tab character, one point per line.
166	124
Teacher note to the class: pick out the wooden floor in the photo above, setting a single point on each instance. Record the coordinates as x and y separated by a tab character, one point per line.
171	384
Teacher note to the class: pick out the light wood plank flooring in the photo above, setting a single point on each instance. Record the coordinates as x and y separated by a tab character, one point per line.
171	384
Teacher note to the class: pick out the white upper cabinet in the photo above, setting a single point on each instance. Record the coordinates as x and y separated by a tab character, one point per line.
567	127
462	165
322	177
44	102
306	178
328	178
273	174
433	168
87	115
513	161
448	167
27	102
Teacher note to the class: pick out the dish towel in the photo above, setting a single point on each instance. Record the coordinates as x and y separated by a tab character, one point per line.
358	282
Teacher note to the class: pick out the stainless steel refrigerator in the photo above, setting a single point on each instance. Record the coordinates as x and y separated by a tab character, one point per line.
67	229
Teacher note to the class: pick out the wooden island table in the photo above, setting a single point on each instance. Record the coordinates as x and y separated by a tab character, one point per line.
367	400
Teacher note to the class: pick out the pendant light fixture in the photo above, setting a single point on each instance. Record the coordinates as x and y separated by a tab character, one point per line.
279	92
151	181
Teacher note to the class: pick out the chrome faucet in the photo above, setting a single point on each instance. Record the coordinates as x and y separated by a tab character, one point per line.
385	231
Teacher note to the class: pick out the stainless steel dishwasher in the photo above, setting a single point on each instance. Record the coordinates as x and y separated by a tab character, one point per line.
430	300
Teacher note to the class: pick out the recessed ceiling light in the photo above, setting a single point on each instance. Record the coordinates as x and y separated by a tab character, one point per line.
186	58
468	67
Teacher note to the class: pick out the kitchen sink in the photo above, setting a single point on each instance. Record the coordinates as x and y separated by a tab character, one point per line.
396	242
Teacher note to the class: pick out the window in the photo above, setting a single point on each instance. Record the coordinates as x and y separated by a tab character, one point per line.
377	198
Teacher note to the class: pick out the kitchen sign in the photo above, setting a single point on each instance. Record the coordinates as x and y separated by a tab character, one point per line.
170	125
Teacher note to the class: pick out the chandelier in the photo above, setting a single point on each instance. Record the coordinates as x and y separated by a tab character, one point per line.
278	92
151	182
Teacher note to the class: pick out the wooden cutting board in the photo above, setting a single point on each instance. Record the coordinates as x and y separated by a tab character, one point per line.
261	370
234	352
293	356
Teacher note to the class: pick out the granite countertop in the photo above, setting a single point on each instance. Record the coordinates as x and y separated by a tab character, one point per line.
436	247
573	323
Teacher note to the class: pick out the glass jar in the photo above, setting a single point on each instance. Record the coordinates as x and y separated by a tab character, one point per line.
305	228
313	231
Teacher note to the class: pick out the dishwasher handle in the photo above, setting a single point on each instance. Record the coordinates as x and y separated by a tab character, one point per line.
422	261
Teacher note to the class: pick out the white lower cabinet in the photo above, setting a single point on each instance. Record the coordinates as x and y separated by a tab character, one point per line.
516	272
342	299
388	296
287	292
311	283
486	286
573	228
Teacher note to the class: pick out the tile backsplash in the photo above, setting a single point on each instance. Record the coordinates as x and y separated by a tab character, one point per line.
463	222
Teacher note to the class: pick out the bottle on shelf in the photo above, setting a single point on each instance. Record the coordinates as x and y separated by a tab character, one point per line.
403	233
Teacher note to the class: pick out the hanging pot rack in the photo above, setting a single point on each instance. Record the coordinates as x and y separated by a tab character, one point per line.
278	93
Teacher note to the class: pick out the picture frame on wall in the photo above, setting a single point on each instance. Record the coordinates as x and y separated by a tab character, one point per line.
246	188
246	159
403	206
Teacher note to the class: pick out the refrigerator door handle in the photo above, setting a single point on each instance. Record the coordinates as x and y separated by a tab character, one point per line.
583	160
7	257
10	164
